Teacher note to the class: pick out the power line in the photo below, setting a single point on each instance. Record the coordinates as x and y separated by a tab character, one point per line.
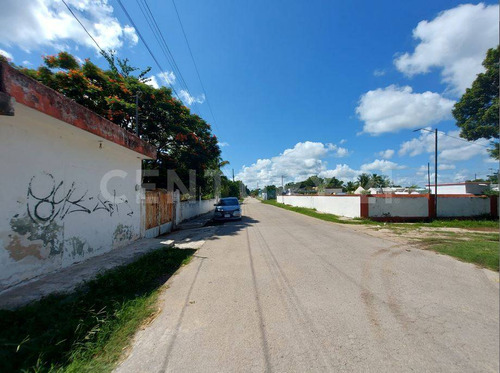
464	140
194	63
145	43
155	28
81	24
153	25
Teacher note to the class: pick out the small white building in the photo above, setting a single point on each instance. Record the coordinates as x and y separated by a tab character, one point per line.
71	181
360	190
473	188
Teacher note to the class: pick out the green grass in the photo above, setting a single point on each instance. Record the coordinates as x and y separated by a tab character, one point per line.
86	330
474	247
478	249
437	223
313	213
454	223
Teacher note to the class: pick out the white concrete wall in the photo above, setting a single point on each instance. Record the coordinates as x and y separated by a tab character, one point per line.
338	205
450	189
462	206
393	206
190	209
54	211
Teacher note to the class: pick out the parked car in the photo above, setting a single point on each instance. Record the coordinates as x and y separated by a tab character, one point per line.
227	209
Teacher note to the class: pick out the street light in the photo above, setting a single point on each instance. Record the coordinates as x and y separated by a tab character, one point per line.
435	165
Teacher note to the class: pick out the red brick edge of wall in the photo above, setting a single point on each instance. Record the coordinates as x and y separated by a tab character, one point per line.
29	92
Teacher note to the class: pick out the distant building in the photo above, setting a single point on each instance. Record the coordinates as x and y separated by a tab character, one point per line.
330	191
473	188
360	190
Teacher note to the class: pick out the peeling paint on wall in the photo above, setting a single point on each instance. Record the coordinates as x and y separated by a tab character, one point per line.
43	236
122	233
18	251
77	247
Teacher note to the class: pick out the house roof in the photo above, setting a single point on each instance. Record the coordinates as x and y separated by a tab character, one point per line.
14	85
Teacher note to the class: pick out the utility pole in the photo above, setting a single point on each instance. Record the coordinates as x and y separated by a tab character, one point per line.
429	176
137	94
435	166
436	171
282	185
233	175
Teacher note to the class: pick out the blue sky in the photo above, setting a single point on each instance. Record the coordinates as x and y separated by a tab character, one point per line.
297	88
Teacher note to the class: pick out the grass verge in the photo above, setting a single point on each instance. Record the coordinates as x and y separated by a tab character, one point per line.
313	213
478	249
88	329
437	223
473	245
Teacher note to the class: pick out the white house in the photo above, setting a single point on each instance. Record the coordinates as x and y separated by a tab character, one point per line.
70	182
473	188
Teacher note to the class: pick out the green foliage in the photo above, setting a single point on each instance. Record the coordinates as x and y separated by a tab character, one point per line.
315	184
379	181
86	330
480	249
364	180
271	191
229	188
476	112
334	183
184	141
322	216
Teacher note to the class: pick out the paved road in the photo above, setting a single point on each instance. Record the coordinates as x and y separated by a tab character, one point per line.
282	292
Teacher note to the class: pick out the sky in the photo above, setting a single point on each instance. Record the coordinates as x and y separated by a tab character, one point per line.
294	88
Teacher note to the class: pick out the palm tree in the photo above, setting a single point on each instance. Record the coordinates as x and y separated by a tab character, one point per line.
364	180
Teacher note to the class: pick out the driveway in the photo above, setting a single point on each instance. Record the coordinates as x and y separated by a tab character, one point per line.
283	292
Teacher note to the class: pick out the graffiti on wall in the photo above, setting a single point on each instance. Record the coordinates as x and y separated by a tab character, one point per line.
39	232
49	200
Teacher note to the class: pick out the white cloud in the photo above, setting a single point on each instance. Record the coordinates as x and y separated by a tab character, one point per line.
382	165
338	151
298	163
456	42
7	54
31	24
343	141
394	108
153	82
341	171
223	144
450	149
27	63
386	154
168	77
189	100
441	166
379	72
161	79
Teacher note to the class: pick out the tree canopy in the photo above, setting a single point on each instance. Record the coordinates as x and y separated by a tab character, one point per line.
184	141
476	112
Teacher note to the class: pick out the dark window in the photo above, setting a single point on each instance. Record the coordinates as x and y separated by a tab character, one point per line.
229	202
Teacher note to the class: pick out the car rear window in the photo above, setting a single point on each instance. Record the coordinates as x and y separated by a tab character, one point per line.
229	202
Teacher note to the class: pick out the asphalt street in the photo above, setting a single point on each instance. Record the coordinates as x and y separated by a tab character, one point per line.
283	292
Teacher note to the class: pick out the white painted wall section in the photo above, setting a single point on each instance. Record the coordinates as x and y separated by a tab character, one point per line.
191	209
349	206
67	195
380	207
463	206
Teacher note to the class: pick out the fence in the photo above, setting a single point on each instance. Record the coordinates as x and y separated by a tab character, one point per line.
389	207
164	211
